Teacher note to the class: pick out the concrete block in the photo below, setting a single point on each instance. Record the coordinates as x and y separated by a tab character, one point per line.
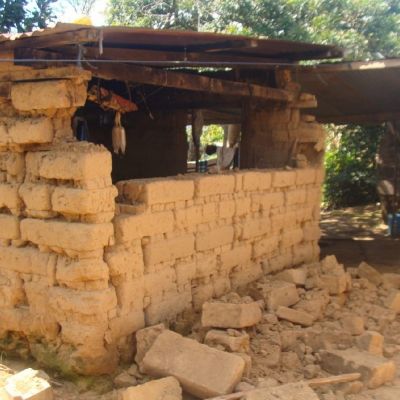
353	324
201	370
295	316
296	276
265	246
335	284
123	260
71	273
305	176
311	232
13	164
367	272
242	206
295	197
167	308
28	260
189	217
159	389
292	237
78	201
283	178
372	342
238	255
375	370
145	338
229	315
36	196
124	325
9	197
254	227
10	227
214	184
232	340
168	249
157	190
393	301
129	227
67	302
77	161
28	385
245	274
275	293
256	180
39	95
31	130
391	280
226	209
66	235
215	238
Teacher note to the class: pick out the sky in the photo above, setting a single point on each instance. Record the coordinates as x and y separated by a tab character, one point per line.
65	13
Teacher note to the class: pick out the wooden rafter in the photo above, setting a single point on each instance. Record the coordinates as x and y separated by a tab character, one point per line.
151	57
186	81
57	39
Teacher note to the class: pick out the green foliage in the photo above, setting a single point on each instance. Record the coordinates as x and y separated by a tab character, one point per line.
366	28
21	15
212	134
350	165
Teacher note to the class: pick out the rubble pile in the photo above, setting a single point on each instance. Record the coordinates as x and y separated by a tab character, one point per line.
314	332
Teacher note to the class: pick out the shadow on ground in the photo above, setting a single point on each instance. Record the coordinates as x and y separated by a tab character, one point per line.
357	234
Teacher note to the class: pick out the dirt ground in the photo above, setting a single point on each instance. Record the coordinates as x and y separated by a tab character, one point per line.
353	235
358	234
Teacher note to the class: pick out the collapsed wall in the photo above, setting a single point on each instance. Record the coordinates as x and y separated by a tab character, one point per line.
78	275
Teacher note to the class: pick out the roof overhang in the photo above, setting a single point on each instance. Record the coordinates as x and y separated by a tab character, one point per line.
357	92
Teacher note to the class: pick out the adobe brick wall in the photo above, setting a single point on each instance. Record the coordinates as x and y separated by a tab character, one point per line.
56	207
186	239
79	275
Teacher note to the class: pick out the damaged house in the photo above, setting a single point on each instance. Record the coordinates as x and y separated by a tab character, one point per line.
97	245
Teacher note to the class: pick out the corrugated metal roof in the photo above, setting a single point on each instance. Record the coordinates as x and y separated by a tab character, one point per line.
175	40
358	92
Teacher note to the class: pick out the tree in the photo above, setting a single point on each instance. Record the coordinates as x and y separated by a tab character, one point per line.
82	7
16	16
366	28
162	14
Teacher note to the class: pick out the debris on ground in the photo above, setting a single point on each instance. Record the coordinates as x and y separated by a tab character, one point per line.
314	332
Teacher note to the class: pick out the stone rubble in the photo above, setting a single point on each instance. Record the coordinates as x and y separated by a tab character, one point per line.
267	342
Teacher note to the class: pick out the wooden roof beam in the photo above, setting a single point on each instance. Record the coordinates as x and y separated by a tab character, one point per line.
186	81
85	35
224	45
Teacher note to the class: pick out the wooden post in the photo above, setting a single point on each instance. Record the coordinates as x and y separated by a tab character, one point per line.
197	130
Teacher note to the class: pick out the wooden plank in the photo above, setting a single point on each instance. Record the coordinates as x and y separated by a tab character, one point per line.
87	35
46	73
163	78
313	383
333	380
149	57
225	45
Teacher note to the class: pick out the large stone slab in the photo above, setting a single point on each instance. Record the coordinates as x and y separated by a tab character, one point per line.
275	293
201	370
229	315
160	389
375	370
